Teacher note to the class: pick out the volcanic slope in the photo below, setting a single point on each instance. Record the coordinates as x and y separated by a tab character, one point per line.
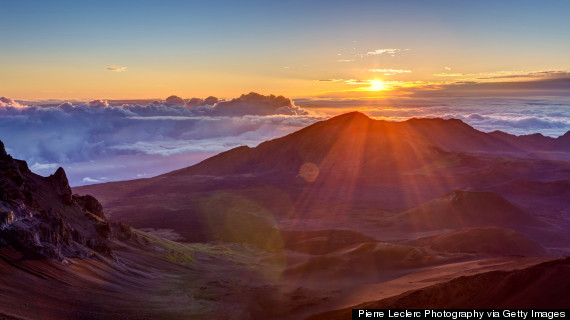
348	172
543	286
61	258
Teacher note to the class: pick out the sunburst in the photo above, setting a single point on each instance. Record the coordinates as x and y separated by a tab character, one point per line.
376	85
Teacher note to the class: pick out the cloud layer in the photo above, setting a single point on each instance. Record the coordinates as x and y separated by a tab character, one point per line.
518	116
92	132
100	141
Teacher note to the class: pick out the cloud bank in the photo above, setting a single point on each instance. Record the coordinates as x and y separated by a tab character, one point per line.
91	133
99	141
518	116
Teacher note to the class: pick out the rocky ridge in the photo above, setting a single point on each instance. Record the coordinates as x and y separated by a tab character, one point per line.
41	217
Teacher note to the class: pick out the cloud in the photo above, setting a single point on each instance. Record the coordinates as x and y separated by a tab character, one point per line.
44	168
89	180
389	72
388	51
9	103
391	52
175	100
6	101
116	68
516	123
72	135
357	81
519	116
533	87
118	140
537	75
98	104
447	68
492	84
255	104
449	74
330	80
195	102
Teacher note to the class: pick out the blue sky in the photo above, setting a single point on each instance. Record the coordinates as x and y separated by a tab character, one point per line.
60	49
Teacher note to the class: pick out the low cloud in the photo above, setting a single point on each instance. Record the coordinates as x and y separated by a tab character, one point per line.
538	75
44	168
98	104
116	68
80	136
357	81
89	180
391	52
256	104
389	72
449	74
9	103
117	140
518	116
555	86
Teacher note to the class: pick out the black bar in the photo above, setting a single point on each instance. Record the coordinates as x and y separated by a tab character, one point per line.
461	314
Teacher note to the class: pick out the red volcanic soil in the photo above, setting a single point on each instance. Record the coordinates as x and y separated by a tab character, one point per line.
544	286
369	262
465	209
487	240
298	225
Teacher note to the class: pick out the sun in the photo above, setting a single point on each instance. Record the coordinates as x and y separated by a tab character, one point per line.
376	85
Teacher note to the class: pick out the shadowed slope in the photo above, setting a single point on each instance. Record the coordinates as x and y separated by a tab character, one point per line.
488	240
465	209
544	286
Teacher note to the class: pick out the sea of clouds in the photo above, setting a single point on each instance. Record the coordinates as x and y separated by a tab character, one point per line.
97	141
519	116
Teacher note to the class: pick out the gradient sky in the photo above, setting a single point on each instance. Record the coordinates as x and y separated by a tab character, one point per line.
152	49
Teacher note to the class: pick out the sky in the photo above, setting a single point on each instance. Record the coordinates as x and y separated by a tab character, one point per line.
84	84
300	49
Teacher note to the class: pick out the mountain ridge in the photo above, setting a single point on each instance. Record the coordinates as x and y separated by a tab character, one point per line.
443	135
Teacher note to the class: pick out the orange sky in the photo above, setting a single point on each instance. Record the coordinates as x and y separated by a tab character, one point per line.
126	49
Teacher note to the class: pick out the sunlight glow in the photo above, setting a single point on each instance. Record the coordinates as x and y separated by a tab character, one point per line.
376	85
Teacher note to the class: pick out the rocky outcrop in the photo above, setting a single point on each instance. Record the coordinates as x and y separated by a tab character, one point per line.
39	216
90	205
3	153
61	185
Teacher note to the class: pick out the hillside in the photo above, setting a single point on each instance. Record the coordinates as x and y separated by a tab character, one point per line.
339	173
543	286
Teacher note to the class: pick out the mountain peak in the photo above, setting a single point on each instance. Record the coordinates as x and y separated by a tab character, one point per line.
351	116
